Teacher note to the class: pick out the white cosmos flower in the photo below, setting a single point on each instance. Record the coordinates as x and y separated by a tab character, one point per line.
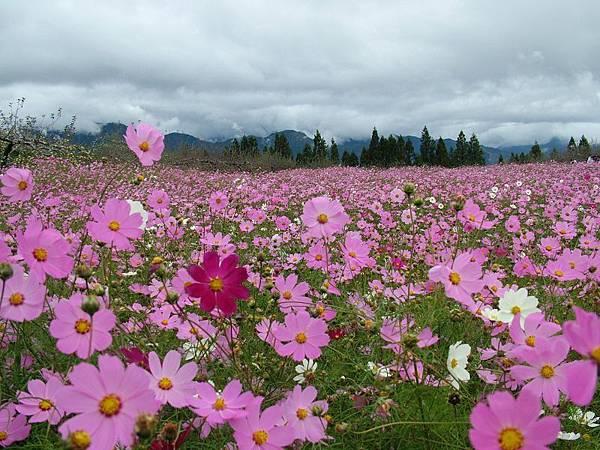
308	367
490	314
378	370
457	362
513	302
588	419
137	207
569	436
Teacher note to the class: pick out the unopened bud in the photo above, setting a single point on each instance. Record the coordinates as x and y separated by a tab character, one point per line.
409	189
6	271
79	440
90	304
83	271
410	341
418	202
98	290
454	398
169	431
161	272
341	427
172	297
145	425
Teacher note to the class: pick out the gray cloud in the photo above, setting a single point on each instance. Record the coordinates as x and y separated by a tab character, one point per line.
512	71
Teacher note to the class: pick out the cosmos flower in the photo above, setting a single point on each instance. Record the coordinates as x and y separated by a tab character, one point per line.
146	142
457	363
13	427
115	225
218	283
221	407
171	383
17	184
301	336
23	297
304	414
39	402
324	217
516	302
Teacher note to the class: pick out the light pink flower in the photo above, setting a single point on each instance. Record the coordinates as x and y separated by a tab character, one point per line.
299	410
115	225
23	297
301	336
17	184
40	402
146	142
324	217
13	428
218	408
171	383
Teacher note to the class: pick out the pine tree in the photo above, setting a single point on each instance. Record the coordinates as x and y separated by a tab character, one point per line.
345	158
334	152
400	158
234	149
409	153
572	149
353	160
441	153
501	159
475	152
282	146
585	149
426	148
368	156
364	157
320	147
460	153
536	152
306	156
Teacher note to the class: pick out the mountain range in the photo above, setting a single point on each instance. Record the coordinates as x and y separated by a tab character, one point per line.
297	140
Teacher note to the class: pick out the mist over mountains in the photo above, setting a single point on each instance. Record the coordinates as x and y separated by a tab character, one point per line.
298	139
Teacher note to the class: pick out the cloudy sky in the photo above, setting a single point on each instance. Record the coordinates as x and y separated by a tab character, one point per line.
511	71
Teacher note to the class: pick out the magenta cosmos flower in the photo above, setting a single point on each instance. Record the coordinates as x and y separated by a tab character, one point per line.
171	383
218	408
146	142
78	332
263	431
324	217
107	401
460	280
17	184
218	283
505	423
301	336
23	297
583	334
13	428
299	410
115	225
44	250
40	402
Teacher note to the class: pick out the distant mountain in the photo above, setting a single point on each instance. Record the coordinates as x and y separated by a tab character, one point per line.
298	139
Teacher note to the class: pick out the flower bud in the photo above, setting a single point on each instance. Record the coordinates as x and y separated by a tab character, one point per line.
78	440
410	341
83	271
169	431
145	425
418	202
454	398
6	271
98	290
172	297
409	189
90	304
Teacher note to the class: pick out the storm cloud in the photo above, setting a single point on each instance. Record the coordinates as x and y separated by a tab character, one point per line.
511	71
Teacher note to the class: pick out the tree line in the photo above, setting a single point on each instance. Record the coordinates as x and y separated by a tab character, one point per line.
573	152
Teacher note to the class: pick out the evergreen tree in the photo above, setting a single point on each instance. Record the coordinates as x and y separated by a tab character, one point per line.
306	156
364	157
572	149
536	152
409	153
334	152
282	146
475	152
441	153
400	158
585	149
353	160
320	148
426	148
234	149
500	159
461	150
368	156
554	154
345	158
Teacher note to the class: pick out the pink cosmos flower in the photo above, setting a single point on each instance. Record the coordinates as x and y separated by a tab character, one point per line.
535	327
316	258
17	184
107	401
565	230
301	336
324	217
218	284
218	201
292	294
299	410
460	280
40	402
356	252
505	423
115	225
546	369
23	297
44	251
13	428
583	334
158	199
146	142
171	383
263	431
78	332
473	217
218	408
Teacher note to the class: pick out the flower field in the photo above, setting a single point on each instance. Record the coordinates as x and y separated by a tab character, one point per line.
412	308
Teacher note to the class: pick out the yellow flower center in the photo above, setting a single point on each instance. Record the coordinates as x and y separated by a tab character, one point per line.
548	247
300	338
16	299
157	260
352	254
260	437
45	405
510	439
596	354
530	341
323	219
3	435
494	288
110	405
472	217
287	295
165	322
83	326
319	257
22	185
113	225
40	254
301	413
145	146
453	363
80	440
216	284
320	309
559	273
454	278
219	404
547	371
515	310
165	384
